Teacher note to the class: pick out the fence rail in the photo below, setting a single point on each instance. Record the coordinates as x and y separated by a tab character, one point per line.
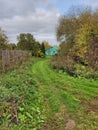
10	59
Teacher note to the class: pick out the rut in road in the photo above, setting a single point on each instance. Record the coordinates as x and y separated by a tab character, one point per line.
62	95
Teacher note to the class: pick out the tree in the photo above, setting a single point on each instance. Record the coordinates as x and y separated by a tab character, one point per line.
86	42
25	41
46	45
70	24
3	40
78	34
11	46
28	42
36	49
43	47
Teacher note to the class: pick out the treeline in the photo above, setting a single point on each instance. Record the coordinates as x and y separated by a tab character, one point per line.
26	41
78	34
4	43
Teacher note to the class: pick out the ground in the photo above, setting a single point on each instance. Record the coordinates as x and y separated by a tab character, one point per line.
37	97
70	103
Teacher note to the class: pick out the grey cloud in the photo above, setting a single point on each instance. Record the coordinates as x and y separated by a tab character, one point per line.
9	8
38	17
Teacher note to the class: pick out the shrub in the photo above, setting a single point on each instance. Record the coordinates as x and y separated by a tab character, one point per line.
73	68
21	105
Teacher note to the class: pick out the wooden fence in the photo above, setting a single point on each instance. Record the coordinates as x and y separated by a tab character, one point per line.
11	59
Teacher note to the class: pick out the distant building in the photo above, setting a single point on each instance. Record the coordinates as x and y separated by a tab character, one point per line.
51	51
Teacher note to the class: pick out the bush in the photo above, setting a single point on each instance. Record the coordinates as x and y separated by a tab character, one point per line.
73	68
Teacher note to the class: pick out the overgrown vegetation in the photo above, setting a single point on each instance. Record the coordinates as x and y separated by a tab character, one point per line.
70	103
21	104
78	34
39	98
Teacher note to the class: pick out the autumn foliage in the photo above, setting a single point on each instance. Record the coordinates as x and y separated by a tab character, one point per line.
78	35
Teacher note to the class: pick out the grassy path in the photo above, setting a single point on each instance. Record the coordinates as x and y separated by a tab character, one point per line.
70	103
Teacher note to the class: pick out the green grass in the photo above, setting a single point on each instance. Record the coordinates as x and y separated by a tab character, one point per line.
47	99
21	104
77	95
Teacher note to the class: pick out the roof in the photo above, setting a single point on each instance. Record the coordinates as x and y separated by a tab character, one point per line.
50	48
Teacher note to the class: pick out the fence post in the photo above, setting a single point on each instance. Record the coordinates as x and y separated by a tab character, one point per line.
3	61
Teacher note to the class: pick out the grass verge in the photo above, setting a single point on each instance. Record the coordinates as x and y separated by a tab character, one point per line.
21	104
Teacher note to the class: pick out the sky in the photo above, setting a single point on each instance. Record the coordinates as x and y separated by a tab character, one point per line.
38	17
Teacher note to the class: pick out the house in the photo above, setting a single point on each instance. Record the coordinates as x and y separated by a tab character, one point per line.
51	51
